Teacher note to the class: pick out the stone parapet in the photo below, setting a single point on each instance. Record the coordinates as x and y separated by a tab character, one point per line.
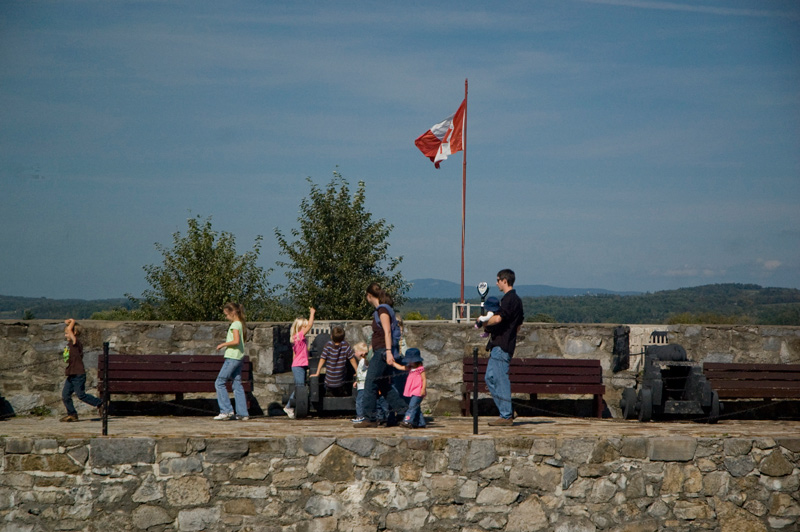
32	370
479	483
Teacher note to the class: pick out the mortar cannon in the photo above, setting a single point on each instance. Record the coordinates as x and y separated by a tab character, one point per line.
670	385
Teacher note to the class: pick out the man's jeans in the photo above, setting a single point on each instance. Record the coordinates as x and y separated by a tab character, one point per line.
299	373
77	384
231	371
497	381
414	413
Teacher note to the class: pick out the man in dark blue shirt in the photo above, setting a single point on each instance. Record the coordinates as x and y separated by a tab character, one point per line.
503	328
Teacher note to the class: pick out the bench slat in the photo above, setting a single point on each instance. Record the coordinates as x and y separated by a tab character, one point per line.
188	375
736	376
566	389
164	387
736	366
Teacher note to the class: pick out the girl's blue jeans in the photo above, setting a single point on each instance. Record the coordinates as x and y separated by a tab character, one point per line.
414	413
497	381
299	373
231	371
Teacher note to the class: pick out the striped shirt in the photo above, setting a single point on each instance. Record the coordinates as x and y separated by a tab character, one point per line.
336	357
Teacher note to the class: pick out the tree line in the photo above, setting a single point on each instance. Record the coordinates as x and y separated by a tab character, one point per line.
734	304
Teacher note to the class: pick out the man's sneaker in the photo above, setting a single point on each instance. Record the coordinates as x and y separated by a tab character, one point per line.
502	422
357	420
406	425
224	417
366	424
289	412
244	418
69	418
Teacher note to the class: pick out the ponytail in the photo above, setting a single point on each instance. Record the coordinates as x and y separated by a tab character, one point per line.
375	290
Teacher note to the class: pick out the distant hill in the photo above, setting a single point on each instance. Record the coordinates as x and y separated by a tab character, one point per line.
717	303
439	289
12	307
711	304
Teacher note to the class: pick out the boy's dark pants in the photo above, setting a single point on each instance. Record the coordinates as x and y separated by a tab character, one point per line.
77	384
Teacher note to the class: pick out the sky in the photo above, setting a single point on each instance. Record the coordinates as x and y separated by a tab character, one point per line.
630	145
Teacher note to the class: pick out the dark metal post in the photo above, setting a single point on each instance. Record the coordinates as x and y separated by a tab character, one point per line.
105	388
475	390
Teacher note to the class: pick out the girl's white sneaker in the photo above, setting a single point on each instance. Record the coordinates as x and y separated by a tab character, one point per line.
289	412
223	417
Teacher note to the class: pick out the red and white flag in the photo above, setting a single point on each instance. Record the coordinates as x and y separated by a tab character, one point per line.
444	138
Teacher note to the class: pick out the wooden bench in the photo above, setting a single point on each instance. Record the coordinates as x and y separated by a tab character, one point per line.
541	375
166	374
753	381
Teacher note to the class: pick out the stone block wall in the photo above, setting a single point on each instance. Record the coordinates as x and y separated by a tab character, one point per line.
31	371
296	483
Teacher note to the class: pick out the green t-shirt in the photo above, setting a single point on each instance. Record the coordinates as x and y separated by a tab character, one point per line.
235	352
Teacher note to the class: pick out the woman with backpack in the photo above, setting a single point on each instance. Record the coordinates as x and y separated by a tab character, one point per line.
386	346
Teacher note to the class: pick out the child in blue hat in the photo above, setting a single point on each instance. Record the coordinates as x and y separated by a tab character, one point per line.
416	388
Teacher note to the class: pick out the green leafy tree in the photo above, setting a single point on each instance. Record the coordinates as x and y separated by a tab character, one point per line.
337	251
201	272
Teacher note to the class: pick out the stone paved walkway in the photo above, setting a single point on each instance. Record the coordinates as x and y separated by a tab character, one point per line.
265	427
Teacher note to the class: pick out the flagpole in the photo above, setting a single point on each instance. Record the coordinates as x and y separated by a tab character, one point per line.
464	190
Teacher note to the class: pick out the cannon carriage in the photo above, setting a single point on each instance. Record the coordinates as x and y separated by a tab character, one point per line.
670	385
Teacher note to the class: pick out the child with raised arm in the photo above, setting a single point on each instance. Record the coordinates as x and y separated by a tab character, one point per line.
76	374
416	388
297	337
360	350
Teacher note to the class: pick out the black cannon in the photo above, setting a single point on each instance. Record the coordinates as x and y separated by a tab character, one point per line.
313	394
670	385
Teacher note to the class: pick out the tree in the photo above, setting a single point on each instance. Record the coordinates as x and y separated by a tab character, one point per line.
338	250
201	273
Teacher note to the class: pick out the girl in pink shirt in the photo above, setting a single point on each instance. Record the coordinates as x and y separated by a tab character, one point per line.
297	336
416	388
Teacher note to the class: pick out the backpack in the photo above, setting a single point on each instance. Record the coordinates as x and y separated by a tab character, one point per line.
396	333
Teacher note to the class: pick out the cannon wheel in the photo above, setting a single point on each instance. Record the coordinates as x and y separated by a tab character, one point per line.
645	404
301	401
714	411
628	403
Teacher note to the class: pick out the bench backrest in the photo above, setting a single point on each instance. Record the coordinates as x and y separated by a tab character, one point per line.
733	380
166	373
551	371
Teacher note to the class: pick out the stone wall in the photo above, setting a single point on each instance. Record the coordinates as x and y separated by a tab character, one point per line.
31	372
318	483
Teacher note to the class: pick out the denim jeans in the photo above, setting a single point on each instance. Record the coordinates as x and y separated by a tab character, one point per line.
231	371
77	384
299	373
414	413
379	379
360	403
497	381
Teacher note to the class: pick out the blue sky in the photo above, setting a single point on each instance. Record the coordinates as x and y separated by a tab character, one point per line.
620	144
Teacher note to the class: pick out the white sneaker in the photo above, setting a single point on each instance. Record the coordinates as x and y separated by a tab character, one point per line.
223	417
289	412
244	418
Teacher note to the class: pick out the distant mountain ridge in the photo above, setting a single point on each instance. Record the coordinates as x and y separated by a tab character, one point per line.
439	289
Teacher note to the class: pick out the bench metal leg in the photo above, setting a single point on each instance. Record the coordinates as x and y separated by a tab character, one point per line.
598	406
